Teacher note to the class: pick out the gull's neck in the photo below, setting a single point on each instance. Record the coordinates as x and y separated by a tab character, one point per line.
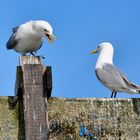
105	56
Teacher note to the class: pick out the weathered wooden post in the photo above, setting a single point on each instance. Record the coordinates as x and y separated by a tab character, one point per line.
33	87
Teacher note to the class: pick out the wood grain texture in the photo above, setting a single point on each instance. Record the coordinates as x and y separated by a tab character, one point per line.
34	86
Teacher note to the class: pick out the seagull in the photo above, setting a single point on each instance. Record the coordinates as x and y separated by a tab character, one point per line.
28	37
109	75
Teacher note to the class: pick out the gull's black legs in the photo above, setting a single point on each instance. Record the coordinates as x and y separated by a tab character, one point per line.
112	95
115	94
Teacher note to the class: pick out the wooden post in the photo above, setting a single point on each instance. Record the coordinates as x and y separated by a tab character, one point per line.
34	84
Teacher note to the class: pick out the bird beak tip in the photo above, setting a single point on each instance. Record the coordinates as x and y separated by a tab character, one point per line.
53	36
93	52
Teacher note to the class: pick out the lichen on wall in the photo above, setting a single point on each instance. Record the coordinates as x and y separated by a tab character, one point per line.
103	119
8	121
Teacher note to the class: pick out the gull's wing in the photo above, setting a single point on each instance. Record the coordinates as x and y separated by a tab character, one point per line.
114	79
40	45
12	42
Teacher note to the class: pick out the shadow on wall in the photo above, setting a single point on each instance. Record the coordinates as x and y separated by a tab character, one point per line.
18	101
136	105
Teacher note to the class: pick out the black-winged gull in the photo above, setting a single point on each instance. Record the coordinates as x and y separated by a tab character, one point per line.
27	37
109	74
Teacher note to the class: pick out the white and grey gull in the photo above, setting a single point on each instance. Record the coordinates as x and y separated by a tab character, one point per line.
109	75
28	37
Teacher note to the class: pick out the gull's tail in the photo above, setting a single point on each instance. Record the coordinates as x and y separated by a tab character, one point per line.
131	86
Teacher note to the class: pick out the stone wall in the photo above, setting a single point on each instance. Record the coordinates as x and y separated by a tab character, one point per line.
80	119
102	119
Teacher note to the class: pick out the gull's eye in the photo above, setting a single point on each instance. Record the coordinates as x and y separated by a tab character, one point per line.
98	47
45	30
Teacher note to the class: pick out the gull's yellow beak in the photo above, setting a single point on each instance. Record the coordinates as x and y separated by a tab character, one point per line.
50	38
93	52
52	35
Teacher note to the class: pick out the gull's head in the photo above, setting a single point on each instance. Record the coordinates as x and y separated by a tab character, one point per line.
103	46
44	29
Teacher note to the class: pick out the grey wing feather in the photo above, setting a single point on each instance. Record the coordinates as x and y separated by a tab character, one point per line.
130	84
113	78
126	80
12	42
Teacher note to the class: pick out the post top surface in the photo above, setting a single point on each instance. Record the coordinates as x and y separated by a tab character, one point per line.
30	60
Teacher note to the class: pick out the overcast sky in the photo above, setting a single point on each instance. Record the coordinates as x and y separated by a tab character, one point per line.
79	26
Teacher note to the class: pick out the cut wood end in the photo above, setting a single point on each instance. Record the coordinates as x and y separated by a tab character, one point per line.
30	60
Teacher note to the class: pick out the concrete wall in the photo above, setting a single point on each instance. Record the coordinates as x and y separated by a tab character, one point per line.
81	119
108	119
